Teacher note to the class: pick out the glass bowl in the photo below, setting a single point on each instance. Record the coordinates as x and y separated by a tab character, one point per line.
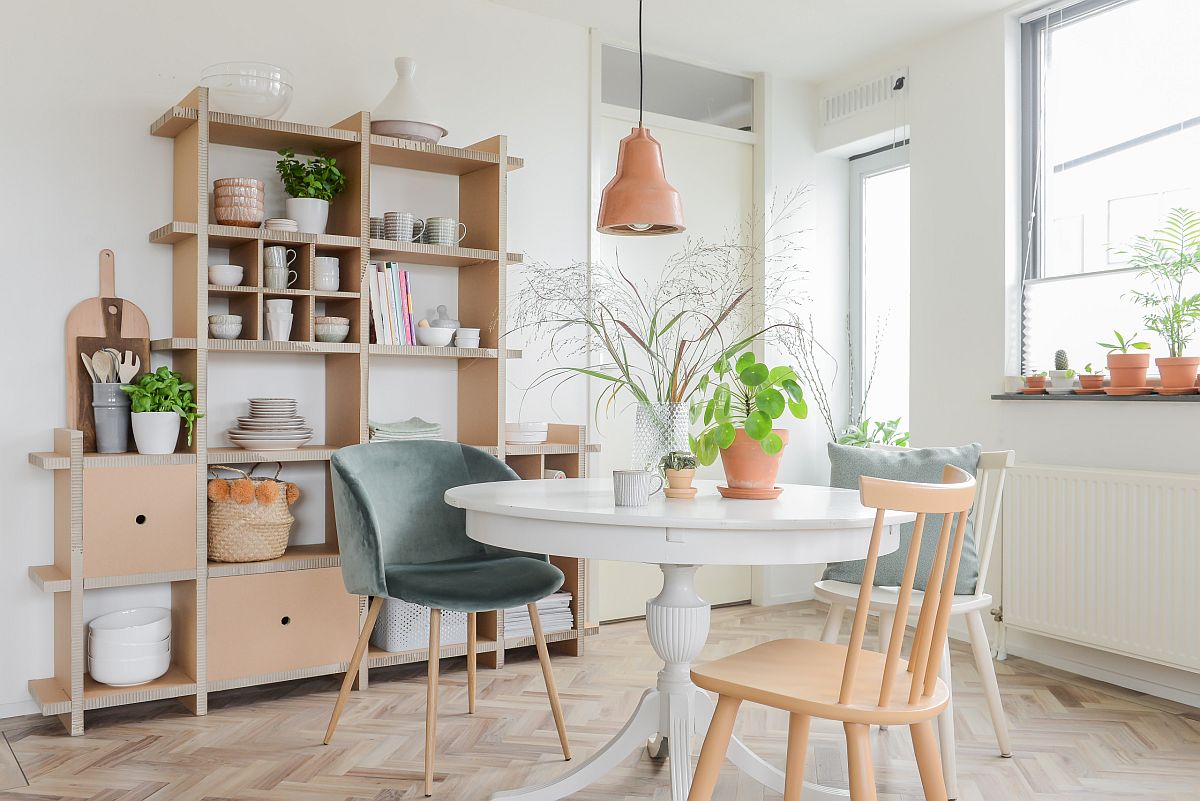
248	88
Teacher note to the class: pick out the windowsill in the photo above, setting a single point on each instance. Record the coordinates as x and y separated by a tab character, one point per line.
1017	396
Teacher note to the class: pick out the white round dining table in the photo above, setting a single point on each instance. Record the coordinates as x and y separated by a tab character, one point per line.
578	517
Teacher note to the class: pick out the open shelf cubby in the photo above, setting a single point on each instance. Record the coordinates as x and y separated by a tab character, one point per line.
241	624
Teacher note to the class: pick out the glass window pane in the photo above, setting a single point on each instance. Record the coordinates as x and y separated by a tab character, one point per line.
885	280
677	89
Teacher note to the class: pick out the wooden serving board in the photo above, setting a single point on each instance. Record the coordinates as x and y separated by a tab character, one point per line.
105	321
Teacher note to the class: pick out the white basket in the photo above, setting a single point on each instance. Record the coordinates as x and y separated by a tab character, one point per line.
405	627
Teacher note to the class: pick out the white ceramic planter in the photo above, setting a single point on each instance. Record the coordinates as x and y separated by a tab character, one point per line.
1061	382
156	432
311	215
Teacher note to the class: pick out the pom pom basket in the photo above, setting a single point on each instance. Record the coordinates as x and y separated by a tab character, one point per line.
248	517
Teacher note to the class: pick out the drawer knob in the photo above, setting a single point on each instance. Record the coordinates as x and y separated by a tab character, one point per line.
140	519
285	620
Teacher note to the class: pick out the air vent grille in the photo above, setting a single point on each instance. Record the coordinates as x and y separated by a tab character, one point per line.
865	95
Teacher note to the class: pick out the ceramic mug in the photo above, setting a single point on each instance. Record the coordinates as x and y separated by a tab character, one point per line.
442	231
279	326
402	226
280	277
278	256
327	273
279	305
632	487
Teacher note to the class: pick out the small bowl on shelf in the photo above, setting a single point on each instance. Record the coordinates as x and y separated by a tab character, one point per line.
108	650
225	275
434	337
332	333
129	672
332	321
225	326
142	624
248	88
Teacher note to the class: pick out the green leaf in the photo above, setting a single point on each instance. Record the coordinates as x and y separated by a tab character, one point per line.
793	390
706	449
744	361
798	409
724	435
758	425
1140	345
753	375
710	409
779	374
772	444
771	402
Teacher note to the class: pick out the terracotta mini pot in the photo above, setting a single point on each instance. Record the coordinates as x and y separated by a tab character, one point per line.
1178	372
747	466
679	483
1128	369
1035	381
1091	380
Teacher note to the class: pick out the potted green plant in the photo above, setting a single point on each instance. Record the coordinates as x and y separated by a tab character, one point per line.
679	468
1127	369
1035	383
1062	377
1091	379
744	399
311	186
868	432
1168	258
159	401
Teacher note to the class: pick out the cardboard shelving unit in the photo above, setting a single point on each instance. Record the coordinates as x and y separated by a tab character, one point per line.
303	622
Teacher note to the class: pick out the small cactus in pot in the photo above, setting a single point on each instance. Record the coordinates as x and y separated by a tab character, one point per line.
1062	377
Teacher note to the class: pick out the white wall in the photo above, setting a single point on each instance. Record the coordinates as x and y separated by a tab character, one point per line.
962	114
83	82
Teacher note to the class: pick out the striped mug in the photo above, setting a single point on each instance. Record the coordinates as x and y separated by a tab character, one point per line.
632	487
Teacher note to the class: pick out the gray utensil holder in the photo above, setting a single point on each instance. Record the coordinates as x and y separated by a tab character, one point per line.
111	408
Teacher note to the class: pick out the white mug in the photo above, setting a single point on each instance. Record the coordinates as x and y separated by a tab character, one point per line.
327	273
278	256
279	327
280	277
632	487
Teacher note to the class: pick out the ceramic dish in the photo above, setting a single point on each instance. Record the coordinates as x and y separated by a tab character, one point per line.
106	649
225	274
435	337
129	672
332	333
225	330
271	445
332	321
137	625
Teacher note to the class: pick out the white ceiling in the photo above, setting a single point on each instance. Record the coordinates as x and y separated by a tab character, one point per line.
809	39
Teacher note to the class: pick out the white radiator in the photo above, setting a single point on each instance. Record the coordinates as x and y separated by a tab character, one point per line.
1105	558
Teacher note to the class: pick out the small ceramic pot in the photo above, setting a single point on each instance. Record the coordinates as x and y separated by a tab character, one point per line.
1035	382
679	483
747	465
1062	381
1128	369
311	214
156	432
1091	380
1178	372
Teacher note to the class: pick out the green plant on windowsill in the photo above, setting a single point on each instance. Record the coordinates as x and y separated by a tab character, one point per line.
1123	343
1168	257
319	178
164	391
868	432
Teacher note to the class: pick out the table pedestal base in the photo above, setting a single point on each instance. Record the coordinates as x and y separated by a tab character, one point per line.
668	716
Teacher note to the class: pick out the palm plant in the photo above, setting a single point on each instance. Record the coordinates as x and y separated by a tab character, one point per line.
1168	258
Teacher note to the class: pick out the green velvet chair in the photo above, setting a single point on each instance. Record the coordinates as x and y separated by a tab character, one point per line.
399	539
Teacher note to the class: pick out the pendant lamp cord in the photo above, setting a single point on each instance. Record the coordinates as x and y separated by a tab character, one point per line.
641	68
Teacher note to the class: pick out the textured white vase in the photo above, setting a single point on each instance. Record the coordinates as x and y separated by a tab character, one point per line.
403	113
311	215
156	432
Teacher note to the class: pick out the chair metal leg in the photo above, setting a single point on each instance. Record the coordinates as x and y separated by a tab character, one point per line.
548	674
431	697
929	762
833	623
712	753
471	642
946	729
797	749
353	667
982	650
861	770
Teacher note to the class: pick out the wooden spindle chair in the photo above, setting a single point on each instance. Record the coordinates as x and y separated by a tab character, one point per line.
861	688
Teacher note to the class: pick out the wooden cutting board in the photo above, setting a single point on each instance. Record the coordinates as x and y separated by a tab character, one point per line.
105	321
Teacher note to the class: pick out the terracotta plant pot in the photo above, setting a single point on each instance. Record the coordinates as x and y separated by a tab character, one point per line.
1178	372
679	483
1128	369
1091	380
747	466
1035	382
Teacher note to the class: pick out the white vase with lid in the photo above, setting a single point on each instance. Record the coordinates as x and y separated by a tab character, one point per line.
402	113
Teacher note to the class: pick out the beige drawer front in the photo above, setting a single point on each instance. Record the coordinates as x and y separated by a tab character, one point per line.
275	622
139	519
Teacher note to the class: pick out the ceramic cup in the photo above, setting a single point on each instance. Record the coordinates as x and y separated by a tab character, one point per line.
377	228
632	487
402	226
278	256
279	277
444	231
279	326
279	306
327	273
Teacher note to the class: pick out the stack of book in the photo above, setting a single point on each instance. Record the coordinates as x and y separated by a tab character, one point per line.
391	304
554	611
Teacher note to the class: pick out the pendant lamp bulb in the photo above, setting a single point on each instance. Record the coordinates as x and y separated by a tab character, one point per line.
638	201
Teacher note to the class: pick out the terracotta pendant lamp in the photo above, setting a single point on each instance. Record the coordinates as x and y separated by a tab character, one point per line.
638	201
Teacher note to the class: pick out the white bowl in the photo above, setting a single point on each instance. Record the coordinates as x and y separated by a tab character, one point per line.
225	274
107	650
539	426
140	624
332	333
467	333
129	672
459	342
225	330
435	337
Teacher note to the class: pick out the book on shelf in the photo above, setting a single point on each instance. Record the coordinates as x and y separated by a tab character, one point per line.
554	612
391	305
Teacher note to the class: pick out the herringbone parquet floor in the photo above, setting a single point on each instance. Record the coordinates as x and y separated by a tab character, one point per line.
1073	739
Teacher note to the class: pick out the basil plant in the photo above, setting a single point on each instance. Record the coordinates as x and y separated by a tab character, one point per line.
744	393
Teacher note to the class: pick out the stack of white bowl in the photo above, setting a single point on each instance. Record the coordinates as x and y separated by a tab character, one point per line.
526	433
130	647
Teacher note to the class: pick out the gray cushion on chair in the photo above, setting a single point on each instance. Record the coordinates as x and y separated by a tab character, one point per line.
847	463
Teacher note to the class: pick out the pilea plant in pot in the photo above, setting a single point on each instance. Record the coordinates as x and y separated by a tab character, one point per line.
744	399
159	401
1062	377
679	468
1127	369
1168	258
1091	379
310	185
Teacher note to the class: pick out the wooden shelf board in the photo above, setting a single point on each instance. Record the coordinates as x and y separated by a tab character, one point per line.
437	255
426	351
242	291
49	460
297	557
1018	396
254	132
518	449
225	236
391	152
254	346
172	684
49	578
305	453
377	657
557	636
50	696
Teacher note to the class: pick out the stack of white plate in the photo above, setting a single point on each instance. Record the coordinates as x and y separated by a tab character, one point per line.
272	425
526	433
130	647
281	224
